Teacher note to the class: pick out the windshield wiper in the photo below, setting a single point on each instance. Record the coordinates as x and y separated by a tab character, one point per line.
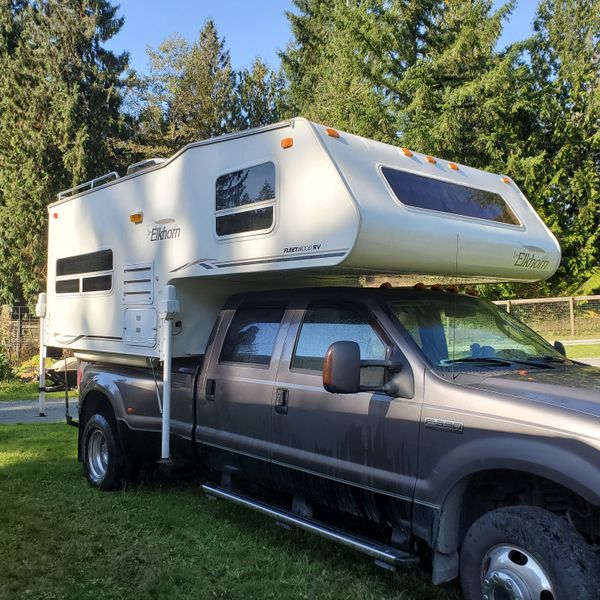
550	358
534	361
479	359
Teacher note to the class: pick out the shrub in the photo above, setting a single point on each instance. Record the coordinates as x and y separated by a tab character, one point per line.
7	373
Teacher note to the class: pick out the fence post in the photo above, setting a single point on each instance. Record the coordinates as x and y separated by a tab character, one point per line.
572	314
508	306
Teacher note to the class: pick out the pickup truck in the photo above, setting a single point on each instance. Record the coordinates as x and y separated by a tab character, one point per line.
405	422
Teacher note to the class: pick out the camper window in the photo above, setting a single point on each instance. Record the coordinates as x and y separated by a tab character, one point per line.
245	200
93	273
67	286
85	263
433	194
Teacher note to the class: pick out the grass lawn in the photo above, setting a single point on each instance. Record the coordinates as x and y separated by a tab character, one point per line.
583	351
16	390
62	539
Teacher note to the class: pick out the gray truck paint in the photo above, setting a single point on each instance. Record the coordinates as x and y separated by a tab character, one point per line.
418	452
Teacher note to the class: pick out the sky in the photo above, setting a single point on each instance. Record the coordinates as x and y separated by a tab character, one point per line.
251	27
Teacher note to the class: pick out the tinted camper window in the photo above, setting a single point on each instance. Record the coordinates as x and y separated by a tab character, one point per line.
245	200
87	273
442	196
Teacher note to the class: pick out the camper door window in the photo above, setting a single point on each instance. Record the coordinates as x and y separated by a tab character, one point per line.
245	200
443	196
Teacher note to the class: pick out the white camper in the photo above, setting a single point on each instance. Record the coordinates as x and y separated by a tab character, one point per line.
285	205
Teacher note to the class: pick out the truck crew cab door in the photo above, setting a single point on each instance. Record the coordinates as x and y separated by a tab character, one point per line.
368	440
235	395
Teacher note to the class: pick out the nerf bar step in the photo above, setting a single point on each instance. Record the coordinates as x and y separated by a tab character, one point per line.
379	552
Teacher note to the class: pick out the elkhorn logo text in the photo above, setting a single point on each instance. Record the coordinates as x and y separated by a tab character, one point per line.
309	248
530	261
158	234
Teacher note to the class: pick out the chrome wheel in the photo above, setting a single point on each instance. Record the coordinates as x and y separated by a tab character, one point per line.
511	573
97	456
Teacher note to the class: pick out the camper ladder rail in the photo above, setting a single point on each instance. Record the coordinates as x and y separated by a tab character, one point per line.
92	183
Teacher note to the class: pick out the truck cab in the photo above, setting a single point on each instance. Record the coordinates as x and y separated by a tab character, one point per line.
418	421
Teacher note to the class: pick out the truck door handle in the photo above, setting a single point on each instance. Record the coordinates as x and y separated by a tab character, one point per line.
281	401
211	386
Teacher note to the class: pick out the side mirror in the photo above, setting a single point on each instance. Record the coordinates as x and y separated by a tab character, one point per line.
560	347
341	368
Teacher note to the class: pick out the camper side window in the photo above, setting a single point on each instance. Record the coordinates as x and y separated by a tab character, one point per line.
443	196
245	200
85	273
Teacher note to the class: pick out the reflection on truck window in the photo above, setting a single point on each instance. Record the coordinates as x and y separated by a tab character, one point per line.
237	195
451	328
443	196
251	335
322	326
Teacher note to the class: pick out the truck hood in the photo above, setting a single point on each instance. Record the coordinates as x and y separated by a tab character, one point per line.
572	387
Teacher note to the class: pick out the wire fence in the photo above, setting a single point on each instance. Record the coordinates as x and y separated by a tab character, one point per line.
556	318
571	317
19	333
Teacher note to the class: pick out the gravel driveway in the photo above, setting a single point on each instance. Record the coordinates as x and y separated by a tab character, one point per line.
27	411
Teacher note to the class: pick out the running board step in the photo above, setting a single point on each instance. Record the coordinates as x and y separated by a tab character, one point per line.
379	552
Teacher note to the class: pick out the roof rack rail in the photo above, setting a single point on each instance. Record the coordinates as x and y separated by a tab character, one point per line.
88	185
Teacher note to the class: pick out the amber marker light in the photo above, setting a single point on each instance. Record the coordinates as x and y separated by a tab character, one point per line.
130	410
453	166
137	218
407	152
332	132
430	159
287	143
505	179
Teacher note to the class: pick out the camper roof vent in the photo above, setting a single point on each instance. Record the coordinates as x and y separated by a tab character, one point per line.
145	164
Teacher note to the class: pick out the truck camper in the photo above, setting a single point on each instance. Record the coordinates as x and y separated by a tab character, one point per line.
215	302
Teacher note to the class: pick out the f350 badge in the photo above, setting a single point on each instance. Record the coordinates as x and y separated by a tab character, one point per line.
442	425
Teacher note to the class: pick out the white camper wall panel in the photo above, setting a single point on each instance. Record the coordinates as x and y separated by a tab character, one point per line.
397	237
334	216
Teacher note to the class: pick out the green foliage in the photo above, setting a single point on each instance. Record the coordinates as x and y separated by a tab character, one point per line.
326	75
59	111
428	74
193	93
7	373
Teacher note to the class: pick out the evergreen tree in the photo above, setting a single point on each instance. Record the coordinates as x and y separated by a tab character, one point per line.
188	95
326	70
258	93
59	111
565	62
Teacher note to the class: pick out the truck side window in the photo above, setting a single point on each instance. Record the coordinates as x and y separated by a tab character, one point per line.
251	335
324	325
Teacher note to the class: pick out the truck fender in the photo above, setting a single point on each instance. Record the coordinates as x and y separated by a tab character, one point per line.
103	385
564	464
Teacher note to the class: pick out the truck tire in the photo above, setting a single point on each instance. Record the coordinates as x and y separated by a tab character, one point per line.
103	460
526	552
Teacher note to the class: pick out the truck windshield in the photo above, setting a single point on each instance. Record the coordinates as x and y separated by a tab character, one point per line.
455	330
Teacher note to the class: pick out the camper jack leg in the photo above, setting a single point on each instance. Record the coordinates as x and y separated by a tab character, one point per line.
40	311
169	307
